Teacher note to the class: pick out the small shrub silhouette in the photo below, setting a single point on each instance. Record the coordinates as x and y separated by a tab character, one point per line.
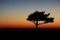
40	16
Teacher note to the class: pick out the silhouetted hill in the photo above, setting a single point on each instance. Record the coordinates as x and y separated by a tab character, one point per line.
29	29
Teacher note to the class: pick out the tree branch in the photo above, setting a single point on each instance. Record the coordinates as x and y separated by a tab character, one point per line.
34	22
41	23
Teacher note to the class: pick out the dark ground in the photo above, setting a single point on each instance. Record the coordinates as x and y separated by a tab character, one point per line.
29	29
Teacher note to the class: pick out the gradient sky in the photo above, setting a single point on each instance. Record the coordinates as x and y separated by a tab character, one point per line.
14	12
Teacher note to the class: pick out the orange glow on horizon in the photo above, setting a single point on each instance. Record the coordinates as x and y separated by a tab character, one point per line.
23	23
29	25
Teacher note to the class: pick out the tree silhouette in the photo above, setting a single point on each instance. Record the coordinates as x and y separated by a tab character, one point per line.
40	16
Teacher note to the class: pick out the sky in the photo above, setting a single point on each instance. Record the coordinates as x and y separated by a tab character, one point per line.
13	13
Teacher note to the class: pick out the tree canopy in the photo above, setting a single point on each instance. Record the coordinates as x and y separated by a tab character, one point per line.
40	16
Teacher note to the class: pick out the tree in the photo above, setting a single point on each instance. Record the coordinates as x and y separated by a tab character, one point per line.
39	16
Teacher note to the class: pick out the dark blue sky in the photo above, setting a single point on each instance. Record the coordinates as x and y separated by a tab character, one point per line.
6	4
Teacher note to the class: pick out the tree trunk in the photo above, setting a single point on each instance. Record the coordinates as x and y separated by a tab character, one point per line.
36	25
